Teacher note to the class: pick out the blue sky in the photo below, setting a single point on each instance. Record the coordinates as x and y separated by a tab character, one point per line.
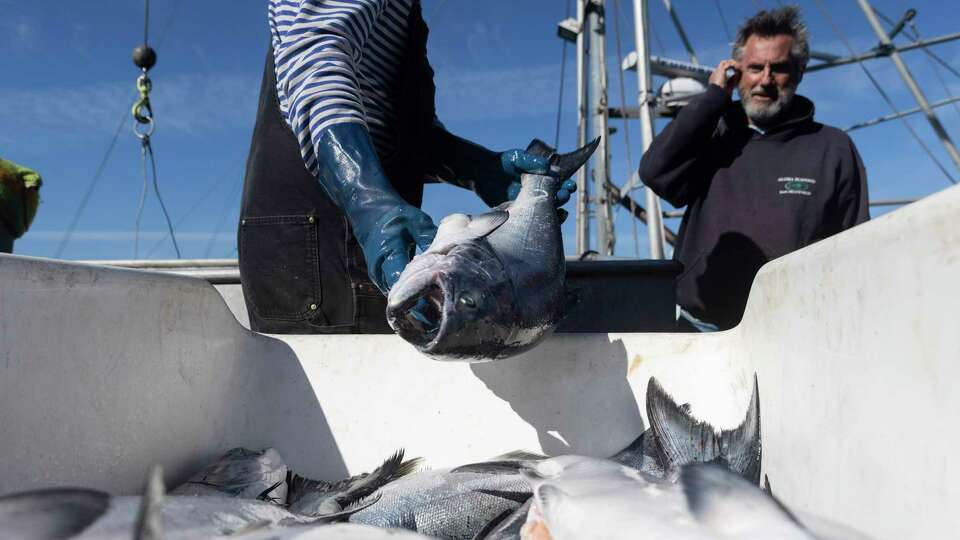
68	83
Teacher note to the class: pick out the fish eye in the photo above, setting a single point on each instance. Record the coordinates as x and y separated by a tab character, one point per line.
467	301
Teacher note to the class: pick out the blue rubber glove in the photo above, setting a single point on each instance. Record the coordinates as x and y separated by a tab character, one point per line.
388	228
515	162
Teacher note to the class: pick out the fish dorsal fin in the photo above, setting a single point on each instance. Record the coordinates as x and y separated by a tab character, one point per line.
347	491
150	515
563	166
740	447
731	507
680	438
50	513
458	228
539	148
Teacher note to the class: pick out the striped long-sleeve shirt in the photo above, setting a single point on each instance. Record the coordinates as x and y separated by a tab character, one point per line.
336	62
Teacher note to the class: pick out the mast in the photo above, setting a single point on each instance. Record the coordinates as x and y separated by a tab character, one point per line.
646	102
599	166
583	199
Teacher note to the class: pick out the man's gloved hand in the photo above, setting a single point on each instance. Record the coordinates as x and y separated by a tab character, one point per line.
387	227
388	244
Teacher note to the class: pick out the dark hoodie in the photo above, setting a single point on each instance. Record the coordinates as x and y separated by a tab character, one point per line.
750	197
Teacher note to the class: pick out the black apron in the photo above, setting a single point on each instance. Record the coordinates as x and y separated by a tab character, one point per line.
302	270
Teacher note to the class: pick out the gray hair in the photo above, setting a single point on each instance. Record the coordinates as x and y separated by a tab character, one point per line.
781	21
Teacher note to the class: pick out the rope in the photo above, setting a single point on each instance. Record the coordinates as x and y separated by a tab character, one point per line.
143	114
563	70
147	151
626	125
140	204
839	33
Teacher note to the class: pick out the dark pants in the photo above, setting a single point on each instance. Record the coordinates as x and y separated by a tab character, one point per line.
301	267
6	239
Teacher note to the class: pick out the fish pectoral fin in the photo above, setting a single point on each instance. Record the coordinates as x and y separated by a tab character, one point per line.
349	510
548	499
727	504
150	516
485	224
519	455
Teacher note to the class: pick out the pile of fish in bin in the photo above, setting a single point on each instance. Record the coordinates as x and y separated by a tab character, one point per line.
680	479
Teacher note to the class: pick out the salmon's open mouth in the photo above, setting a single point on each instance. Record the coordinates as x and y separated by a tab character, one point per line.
418	319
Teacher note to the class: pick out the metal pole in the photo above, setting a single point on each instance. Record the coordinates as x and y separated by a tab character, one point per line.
911	83
645	82
901	114
878	53
599	166
583	197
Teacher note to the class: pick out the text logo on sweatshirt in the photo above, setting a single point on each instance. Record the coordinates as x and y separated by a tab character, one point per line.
790	185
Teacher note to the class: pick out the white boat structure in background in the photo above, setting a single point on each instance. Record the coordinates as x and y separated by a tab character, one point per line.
855	340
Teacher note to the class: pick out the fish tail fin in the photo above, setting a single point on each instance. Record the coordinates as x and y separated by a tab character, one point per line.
563	166
740	447
150	516
680	438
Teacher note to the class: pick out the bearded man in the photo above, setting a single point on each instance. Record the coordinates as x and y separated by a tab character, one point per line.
759	177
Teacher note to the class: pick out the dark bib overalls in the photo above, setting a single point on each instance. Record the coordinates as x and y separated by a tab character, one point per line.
301	268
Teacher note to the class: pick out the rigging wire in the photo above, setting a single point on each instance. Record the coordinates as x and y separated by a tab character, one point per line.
563	70
197	203
933	59
913	33
222	219
839	33
68	234
626	126
723	21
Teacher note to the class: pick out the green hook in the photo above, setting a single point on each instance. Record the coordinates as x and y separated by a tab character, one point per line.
143	86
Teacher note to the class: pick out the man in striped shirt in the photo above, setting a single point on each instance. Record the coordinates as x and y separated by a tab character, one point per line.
346	136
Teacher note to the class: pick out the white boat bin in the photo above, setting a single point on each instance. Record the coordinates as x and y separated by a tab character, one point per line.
855	341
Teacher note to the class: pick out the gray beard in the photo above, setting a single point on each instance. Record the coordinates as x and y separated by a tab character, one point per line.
766	114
